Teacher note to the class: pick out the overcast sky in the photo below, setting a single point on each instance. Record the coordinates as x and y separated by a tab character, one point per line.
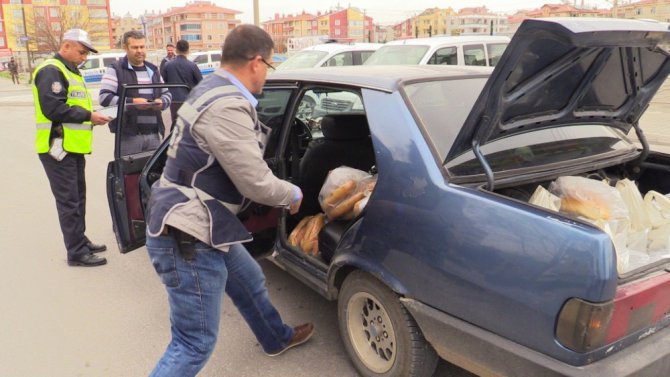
381	10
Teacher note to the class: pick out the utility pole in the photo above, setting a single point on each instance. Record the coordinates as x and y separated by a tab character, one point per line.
26	40
257	18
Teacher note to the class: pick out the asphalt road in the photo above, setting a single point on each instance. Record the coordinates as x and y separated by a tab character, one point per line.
113	320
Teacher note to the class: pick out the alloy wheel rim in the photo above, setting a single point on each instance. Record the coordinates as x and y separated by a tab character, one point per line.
371	332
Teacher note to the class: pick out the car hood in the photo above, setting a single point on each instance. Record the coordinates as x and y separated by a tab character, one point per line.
566	71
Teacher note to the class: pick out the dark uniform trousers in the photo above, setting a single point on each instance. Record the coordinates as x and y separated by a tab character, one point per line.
68	185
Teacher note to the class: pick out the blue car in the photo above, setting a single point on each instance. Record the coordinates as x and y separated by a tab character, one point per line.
451	258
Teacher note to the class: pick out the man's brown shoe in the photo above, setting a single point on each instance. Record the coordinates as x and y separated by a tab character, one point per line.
301	334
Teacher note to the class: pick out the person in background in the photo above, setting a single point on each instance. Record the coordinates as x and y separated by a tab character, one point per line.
194	238
180	71
65	118
13	70
169	48
143	126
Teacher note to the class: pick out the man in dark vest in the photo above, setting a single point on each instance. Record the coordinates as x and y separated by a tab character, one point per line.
194	238
13	70
143	123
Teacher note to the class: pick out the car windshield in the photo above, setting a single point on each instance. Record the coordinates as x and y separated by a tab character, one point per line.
397	54
443	114
303	59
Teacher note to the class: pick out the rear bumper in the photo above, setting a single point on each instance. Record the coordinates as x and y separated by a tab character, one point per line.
487	354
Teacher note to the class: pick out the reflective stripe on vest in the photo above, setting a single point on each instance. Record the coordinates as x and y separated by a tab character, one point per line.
77	137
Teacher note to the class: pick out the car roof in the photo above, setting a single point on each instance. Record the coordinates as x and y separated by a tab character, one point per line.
450	39
385	78
334	47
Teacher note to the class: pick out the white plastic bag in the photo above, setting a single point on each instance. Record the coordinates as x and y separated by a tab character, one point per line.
543	198
639	218
343	189
589	198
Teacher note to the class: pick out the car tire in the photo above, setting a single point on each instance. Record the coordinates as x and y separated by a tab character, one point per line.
379	334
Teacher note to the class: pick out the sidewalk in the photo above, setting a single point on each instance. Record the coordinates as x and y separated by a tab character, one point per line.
22	94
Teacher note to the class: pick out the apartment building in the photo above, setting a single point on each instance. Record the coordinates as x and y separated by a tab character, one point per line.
650	9
35	27
203	24
120	25
344	24
556	10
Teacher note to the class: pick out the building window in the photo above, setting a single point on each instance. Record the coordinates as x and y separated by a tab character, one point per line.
97	13
40	12
74	2
15	1
53	12
97	2
2	42
192	37
186	27
55	26
17	14
337	22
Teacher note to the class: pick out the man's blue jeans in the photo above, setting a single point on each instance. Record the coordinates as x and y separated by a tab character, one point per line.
195	293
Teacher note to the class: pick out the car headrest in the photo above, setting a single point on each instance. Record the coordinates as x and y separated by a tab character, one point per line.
345	126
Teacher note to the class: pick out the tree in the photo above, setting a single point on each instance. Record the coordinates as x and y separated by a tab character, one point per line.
46	35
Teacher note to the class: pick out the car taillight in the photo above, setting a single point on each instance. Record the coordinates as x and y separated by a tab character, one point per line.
584	326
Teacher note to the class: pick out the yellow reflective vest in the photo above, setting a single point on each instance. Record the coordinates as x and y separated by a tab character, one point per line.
77	137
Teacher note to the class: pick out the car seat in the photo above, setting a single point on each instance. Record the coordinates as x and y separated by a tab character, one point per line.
346	142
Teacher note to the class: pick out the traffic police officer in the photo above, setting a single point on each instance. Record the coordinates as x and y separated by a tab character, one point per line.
65	118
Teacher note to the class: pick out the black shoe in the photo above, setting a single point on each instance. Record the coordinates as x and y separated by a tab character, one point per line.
95	248
87	260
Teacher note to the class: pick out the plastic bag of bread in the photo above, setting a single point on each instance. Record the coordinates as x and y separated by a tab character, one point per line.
639	217
310	238
543	198
343	189
589	198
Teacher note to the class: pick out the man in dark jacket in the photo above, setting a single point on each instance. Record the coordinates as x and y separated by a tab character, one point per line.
143	124
169	49
180	71
13	70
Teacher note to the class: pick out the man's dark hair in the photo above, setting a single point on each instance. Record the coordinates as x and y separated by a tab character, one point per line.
182	46
244	43
134	34
169	45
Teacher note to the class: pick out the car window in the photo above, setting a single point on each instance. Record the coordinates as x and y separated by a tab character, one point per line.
474	55
200	59
543	147
495	51
91	64
272	103
341	59
397	54
365	55
445	55
108	61
302	59
442	107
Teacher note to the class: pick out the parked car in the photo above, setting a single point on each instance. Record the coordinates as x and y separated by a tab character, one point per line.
449	258
96	65
207	61
480	50
330	55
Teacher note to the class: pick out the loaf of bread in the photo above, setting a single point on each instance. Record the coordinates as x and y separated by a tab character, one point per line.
310	240
343	209
358	207
590	208
298	232
339	193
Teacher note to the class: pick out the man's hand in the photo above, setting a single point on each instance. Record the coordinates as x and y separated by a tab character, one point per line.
142	103
98	119
297	200
157	104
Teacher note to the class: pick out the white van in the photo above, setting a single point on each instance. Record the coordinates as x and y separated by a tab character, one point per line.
207	61
96	65
479	50
330	55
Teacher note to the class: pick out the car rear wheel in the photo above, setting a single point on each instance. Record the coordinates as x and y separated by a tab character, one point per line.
379	334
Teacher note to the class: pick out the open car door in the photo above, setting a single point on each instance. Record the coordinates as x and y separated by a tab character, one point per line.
126	203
